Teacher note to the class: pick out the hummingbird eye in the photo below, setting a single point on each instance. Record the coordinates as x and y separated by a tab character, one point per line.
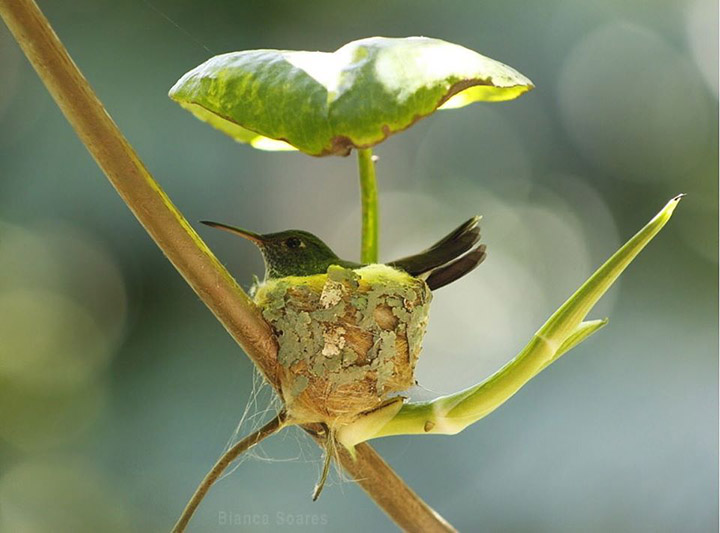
294	243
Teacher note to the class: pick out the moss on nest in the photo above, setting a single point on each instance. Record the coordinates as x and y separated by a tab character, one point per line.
348	339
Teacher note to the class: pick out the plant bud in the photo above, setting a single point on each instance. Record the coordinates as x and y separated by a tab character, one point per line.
348	339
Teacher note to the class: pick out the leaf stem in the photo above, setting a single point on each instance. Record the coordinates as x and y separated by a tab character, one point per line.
369	200
329	454
273	426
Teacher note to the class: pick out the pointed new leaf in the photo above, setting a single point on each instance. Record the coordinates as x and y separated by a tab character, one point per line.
582	332
563	331
328	103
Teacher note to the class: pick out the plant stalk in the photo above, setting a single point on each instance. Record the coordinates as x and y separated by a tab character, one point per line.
369	200
148	202
400	502
183	247
273	426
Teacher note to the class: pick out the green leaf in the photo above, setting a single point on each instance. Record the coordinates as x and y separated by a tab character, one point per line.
564	330
328	103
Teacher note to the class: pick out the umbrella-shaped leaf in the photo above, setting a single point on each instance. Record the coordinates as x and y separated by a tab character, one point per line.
328	103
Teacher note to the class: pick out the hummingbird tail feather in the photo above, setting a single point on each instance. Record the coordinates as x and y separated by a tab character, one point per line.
449	248
466	227
456	269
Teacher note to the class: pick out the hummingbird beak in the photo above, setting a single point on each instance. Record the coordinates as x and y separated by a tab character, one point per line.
249	235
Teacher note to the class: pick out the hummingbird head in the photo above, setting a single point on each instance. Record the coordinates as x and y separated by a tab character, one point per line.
287	253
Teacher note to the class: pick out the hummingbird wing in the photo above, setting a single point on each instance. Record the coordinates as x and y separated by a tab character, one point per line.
445	253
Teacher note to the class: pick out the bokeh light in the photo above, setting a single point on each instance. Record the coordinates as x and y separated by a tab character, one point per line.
625	95
68	495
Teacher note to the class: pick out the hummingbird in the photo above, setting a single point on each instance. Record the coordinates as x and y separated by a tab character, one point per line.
300	253
297	253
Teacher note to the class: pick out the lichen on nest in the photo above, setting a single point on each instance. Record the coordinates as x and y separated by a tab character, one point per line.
348	339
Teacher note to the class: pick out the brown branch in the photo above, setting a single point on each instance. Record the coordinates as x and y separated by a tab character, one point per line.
162	220
182	246
272	427
380	481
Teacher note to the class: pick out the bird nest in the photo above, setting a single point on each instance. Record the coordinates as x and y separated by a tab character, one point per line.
348	339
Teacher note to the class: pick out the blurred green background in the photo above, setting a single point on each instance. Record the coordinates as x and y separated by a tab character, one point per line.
118	389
